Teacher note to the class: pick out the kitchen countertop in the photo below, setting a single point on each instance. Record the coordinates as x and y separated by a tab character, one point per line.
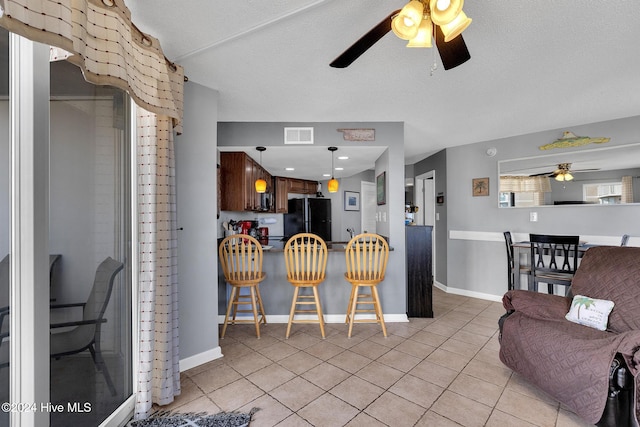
277	245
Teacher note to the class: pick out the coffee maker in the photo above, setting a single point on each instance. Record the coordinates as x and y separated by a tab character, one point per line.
249	228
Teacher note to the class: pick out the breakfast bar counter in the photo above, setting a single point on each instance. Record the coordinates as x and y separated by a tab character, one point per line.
277	292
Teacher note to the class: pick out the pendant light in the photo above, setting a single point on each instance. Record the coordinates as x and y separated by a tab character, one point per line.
261	184
333	184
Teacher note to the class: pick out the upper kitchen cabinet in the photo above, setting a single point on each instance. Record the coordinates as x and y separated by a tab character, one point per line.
238	175
282	193
302	186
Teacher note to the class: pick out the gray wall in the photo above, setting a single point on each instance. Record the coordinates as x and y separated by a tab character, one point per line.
341	219
479	249
196	181
438	163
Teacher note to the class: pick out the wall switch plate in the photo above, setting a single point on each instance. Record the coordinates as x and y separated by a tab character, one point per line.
533	216
437	216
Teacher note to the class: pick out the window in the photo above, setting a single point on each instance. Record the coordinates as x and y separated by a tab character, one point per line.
609	193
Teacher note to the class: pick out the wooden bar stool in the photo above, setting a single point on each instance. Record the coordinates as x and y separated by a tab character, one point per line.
367	255
305	256
241	259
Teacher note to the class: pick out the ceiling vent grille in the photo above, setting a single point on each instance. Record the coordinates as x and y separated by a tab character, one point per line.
298	135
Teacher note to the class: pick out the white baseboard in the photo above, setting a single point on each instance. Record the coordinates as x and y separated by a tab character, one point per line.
200	358
328	318
467	293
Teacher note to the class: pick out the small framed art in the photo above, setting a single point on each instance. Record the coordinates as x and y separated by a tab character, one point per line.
480	186
381	188
351	201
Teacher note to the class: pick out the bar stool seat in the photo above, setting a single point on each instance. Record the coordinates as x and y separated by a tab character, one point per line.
305	256
367	255
241	259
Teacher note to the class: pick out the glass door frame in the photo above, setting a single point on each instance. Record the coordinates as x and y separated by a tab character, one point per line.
29	94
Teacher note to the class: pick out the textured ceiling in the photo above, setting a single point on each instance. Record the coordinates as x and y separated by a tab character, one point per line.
535	65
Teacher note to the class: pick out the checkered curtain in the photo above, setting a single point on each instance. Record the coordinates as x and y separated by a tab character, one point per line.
627	189
158	369
108	47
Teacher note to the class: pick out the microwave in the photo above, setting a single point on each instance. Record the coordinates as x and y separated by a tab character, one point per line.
266	202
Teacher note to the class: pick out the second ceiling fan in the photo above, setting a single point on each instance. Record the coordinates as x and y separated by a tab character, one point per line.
419	22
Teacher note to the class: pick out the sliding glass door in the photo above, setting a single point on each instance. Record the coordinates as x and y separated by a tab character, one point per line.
65	242
89	247
5	221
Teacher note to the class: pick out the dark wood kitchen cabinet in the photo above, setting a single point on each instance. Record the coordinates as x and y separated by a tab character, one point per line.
238	175
419	270
297	186
282	193
302	186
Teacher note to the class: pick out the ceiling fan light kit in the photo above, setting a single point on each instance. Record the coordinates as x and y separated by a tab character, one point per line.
424	36
405	25
419	22
419	15
445	11
454	28
563	173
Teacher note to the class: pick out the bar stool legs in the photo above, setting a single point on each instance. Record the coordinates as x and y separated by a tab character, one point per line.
358	298
253	299
306	300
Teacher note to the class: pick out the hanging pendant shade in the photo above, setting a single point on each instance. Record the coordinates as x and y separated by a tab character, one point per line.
260	184
333	183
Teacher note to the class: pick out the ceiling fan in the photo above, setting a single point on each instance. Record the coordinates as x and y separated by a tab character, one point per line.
419	22
564	172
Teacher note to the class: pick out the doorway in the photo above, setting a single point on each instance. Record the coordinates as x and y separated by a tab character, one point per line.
425	199
368	207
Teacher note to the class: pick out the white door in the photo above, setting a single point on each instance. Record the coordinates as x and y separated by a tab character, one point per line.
428	190
368	207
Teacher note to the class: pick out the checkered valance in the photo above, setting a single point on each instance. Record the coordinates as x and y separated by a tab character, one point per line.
106	45
523	184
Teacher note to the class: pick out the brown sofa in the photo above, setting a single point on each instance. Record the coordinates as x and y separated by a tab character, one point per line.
578	365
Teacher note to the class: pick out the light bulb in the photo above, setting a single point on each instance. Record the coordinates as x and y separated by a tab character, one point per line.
443	4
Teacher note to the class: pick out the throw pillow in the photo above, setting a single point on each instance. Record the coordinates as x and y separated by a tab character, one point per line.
590	312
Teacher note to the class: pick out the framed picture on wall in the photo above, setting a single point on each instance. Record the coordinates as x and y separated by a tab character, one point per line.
381	188
480	186
351	201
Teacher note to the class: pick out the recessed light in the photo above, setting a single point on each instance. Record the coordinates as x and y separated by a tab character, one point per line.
326	174
289	169
339	169
343	157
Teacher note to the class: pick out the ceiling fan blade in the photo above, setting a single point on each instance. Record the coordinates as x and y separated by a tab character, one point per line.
452	53
364	43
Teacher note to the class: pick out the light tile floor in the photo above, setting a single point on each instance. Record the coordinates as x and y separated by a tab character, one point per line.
443	371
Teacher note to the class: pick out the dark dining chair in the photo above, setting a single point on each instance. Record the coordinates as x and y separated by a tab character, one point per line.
511	274
554	260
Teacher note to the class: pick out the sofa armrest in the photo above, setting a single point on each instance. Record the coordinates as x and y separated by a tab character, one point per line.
537	305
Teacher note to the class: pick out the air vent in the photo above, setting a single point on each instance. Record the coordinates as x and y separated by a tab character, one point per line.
298	135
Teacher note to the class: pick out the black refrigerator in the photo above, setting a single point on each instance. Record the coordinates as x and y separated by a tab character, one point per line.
308	215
